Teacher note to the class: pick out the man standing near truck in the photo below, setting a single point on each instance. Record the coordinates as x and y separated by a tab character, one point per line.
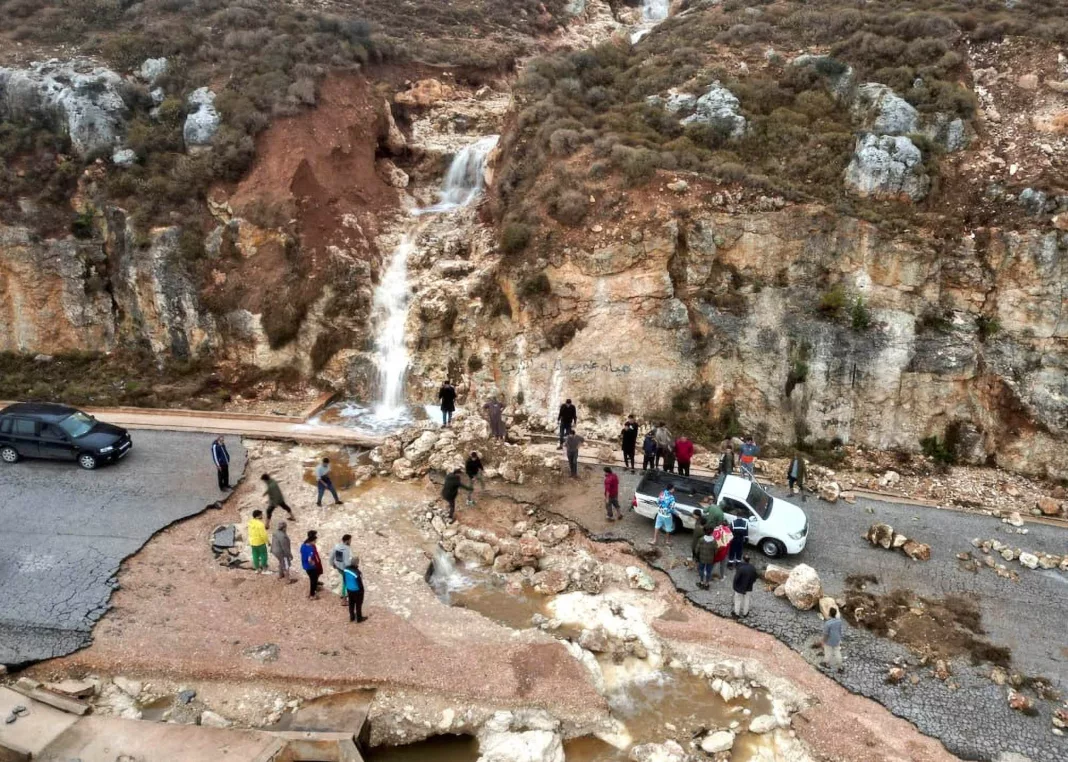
665	515
611	493
740	528
684	454
745	576
750	450
664	444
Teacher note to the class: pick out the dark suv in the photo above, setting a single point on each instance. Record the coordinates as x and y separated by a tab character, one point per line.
44	430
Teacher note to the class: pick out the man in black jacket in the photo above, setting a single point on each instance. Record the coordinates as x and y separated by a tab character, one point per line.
447	398
453	484
567	418
745	576
221	457
629	437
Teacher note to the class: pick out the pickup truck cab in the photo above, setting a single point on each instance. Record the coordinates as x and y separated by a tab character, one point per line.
776	526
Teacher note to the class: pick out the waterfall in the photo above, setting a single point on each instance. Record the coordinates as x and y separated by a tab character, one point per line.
654	10
462	185
446	578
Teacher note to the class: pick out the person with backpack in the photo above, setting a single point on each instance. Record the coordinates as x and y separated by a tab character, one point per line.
629	441
352	582
447	400
649	452
723	536
665	515
340	558
705	553
684	454
740	532
566	419
750	450
313	565
611	493
745	576
726	460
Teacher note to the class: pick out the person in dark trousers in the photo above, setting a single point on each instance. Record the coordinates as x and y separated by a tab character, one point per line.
740	528
795	474
684	454
705	554
832	641
313	565
221	457
340	558
750	451
274	498
572	444
611	493
629	441
566	418
282	551
474	468
453	484
447	398
726	460
649	452
664	444
354	589
745	576
323	482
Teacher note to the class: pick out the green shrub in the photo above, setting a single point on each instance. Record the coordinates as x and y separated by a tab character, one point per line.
987	326
833	300
860	315
515	237
535	286
605	406
474	363
560	335
569	207
937	450
82	224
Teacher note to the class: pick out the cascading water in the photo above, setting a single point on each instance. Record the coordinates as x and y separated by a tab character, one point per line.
653	12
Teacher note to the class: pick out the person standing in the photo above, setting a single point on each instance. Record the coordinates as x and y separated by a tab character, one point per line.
447	399
684	454
257	541
323	482
313	565
566	418
629	441
723	536
832	640
572	444
474	468
282	551
726	460
274	498
649	451
352	582
611	493
340	558
740	530
494	410
750	450
745	576
665	515
795	474
451	488
664	442
221	457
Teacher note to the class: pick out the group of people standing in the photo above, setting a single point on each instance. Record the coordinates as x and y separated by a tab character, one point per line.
493	410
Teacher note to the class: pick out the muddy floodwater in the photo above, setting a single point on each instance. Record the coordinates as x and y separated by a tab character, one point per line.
436	749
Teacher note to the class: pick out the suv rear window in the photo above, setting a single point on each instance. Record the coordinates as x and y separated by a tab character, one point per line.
25	427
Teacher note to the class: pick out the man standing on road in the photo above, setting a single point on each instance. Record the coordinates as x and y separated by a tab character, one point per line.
221	456
795	474
313	565
745	576
629	439
664	442
566	418
726	460
453	484
665	515
611	493
832	641
257	542
340	558
352	582
684	454
323	482
572	444
740	530
282	551
750	450
274	498
447	398
649	451
474	468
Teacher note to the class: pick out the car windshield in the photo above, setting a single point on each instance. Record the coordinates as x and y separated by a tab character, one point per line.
78	425
759	501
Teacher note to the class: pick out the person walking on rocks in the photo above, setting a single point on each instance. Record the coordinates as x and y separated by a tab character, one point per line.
722	534
750	450
257	541
795	474
832	640
340	558
566	418
221	457
629	440
611	493
474	468
745	576
274	498
453	484
313	565
572	444
649	452
323	482
282	551
664	444
352	582
494	410
684	454
447	399
705	554
740	530
665	515
726	460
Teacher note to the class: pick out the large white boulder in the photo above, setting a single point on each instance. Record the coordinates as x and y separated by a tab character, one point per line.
669	751
718	108
803	588
887	166
203	120
527	746
884	112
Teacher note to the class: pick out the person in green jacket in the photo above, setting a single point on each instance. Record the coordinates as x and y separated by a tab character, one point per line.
274	498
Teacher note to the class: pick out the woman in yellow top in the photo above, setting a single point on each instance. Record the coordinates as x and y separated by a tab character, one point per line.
257	541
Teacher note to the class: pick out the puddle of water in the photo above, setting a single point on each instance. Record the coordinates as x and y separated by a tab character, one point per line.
154	710
438	749
354	415
341	470
512	608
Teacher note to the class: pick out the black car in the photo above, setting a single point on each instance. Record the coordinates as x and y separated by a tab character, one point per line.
45	430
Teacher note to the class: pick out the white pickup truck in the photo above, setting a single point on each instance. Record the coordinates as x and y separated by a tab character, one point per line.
775	526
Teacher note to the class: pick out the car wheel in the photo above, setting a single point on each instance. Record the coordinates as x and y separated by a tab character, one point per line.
9	455
87	461
772	548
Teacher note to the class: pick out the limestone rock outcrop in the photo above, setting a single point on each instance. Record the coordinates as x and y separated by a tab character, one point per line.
203	119
887	166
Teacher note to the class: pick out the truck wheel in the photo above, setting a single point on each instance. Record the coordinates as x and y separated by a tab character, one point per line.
772	548
87	461
9	455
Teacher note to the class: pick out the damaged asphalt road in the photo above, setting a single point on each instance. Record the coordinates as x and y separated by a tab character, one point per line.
64	531
1028	616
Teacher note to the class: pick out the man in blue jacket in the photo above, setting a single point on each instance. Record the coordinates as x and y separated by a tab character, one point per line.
354	591
221	456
